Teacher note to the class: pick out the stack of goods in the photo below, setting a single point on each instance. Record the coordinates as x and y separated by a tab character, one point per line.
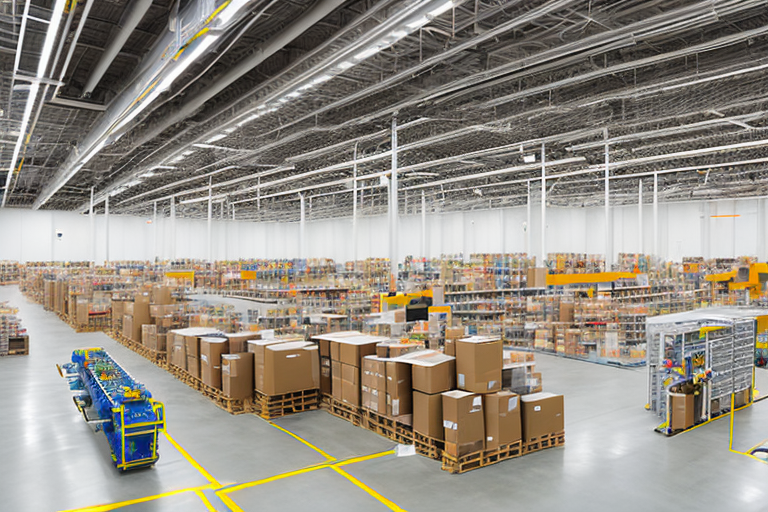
13	336
9	272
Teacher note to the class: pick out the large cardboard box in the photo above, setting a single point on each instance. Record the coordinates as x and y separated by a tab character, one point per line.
258	349
566	312
211	350
350	384
503	424
193	345
336	380
431	371
399	389
542	414
148	332
178	351
353	353
374	384
117	313
326	381
479	360
463	422
193	366
128	326
428	415
238	341
161	294
237	375
389	350
157	342
140	312
536	277
290	367
682	411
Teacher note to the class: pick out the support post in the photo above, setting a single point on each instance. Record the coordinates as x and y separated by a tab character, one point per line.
424	226
528	248
173	227
393	205
640	216
354	207
106	222
154	232
210	218
656	215
301	226
607	187
92	220
543	208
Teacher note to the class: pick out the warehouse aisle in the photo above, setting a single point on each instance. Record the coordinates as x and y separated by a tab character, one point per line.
611	460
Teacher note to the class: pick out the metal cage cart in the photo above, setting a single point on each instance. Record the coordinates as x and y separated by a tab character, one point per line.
696	361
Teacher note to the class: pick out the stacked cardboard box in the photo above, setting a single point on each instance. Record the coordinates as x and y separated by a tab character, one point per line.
432	373
135	314
211	350
542	415
374	384
284	365
399	391
237	375
185	347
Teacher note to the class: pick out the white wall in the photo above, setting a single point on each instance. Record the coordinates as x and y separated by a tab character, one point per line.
685	229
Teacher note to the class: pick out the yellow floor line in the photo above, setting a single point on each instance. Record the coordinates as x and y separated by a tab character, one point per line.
363	458
113	506
208	506
387	503
192	461
730	441
304	441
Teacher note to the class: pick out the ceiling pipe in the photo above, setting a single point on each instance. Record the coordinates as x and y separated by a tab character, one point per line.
132	16
72	46
311	16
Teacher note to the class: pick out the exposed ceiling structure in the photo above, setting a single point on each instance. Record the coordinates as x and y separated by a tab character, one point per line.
258	103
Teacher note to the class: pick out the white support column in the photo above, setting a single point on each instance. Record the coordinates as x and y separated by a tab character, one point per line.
393	213
155	256
92	220
607	187
656	215
528	248
210	218
354	207
301	226
424	226
258	196
640	216
173	227
543	208
233	212
106	222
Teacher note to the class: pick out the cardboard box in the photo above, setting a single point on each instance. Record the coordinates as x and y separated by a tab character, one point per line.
536	277
388	350
682	411
117	312
428	415
178	352
503	424
374	384
566	312
291	367
193	366
350	393
399	316
463	422
157	342
238	342
161	294
399	389
211	350
353	353
148	332
336	379
258	349
237	375
128	327
128	308
542	414
193	345
431	371
479	360
326	383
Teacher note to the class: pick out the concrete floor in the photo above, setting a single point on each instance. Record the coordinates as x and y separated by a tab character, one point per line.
50	460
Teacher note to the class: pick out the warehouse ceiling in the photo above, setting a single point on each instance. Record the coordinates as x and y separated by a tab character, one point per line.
261	104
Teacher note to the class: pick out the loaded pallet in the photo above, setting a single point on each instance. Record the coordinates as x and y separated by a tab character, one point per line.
17	346
542	442
481	459
160	358
231	405
271	407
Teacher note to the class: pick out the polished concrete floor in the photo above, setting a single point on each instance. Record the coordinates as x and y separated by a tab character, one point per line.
50	459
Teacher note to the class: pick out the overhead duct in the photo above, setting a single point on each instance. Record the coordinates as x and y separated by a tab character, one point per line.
167	60
317	12
133	15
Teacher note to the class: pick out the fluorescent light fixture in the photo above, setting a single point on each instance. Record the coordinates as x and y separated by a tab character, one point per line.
284	100
148	175
367	53
231	129
294	94
440	10
529	159
177	159
321	79
215	138
398	35
418	23
117	191
133	183
344	65
261	107
248	120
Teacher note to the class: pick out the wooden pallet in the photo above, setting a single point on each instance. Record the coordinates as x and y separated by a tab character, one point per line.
231	405
387	427
545	441
275	406
24	352
481	459
158	357
428	446
345	411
